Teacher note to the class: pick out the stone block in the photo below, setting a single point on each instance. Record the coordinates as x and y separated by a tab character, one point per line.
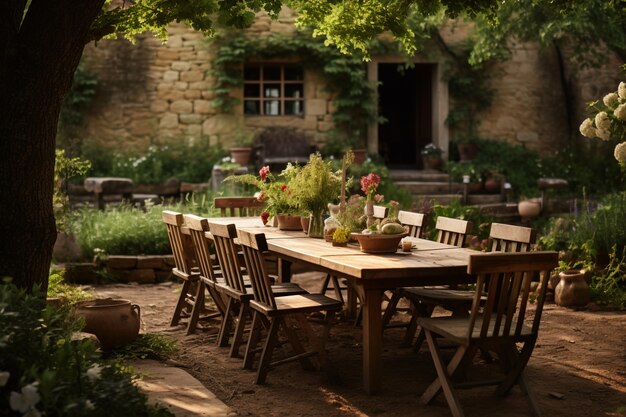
171	95
149	262
201	106
527	137
191	76
181	85
169	121
199	85
193	94
108	185
141	127
190	119
169	261
315	107
193	130
165	86
161	276
174	41
181	106
189	187
121	262
180	66
171	75
142	276
159	106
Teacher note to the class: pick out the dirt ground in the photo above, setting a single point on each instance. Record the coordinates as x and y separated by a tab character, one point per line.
578	367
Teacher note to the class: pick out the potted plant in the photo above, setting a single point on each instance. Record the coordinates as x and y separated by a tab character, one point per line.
341	235
241	152
314	186
467	145
466	173
431	157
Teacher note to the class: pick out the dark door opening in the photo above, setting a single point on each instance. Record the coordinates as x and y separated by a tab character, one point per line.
405	99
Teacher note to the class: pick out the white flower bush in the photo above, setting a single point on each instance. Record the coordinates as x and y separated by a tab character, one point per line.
609	121
26	399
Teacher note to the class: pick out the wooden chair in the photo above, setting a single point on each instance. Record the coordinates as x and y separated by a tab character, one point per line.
275	313
192	293
503	238
238	206
233	288
495	325
210	272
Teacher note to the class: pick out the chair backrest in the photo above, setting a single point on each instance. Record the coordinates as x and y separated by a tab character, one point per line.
253	245
197	227
508	238
508	277
380	212
452	231
224	237
180	243
238	206
414	221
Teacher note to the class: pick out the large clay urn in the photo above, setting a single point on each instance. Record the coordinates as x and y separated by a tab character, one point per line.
572	290
115	322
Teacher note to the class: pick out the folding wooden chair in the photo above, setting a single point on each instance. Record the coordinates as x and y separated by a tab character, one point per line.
238	206
276	313
495	325
503	238
210	272
233	288
192	293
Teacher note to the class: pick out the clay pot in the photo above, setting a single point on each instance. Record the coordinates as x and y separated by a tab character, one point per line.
241	156
115	322
493	185
340	244
360	155
378	243
288	222
529	209
432	162
572	290
467	151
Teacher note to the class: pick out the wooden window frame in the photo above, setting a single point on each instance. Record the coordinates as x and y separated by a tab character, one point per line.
282	82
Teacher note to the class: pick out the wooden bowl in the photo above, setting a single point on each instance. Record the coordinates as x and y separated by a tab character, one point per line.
378	243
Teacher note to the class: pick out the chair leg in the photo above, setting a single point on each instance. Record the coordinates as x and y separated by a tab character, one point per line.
198	305
421	310
325	284
253	341
244	310
517	367
297	346
180	303
391	309
227	324
337	289
443	381
268	349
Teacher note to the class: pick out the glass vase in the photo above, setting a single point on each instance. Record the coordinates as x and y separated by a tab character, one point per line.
316	225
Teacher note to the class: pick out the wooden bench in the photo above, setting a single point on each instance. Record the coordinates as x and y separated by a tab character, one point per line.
277	146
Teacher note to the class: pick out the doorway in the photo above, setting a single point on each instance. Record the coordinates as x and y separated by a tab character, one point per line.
405	100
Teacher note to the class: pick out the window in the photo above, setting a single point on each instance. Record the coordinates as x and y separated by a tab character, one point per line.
273	90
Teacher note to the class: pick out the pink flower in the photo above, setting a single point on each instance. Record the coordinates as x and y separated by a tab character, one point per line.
394	203
264	216
283	187
378	198
369	183
263	172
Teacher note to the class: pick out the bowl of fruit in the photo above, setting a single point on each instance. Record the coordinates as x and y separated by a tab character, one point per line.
380	238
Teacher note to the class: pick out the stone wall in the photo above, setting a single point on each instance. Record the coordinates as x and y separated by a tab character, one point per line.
152	92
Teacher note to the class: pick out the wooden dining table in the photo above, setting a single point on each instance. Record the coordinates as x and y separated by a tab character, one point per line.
428	263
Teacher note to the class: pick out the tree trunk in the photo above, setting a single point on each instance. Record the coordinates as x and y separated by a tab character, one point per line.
37	62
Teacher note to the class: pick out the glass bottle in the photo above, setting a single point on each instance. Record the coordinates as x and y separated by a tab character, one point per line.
331	223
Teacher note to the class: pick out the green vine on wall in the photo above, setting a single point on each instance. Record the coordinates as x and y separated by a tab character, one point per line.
354	97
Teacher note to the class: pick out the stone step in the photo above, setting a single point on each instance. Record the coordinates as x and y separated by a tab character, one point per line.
431	187
483	199
428	199
414	175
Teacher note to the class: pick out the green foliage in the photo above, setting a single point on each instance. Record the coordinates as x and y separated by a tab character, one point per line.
57	287
63	376
148	346
609	285
481	222
316	185
65	168
191	162
354	97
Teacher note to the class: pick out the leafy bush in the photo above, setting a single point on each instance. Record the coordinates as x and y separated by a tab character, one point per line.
44	372
187	162
57	287
481	222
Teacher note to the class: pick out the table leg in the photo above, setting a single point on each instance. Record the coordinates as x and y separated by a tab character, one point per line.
372	341
284	270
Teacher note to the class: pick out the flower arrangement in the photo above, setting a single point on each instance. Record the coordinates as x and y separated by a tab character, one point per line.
431	150
341	235
275	190
609	121
315	185
369	185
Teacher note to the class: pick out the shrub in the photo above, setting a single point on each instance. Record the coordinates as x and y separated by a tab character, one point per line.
481	222
45	372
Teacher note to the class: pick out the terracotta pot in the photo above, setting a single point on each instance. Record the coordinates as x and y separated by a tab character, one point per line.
529	209
432	162
467	151
378	243
288	222
360	155
115	322
493	185
241	156
572	290
340	244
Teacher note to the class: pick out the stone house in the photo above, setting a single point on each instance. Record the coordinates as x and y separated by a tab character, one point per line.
152	91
